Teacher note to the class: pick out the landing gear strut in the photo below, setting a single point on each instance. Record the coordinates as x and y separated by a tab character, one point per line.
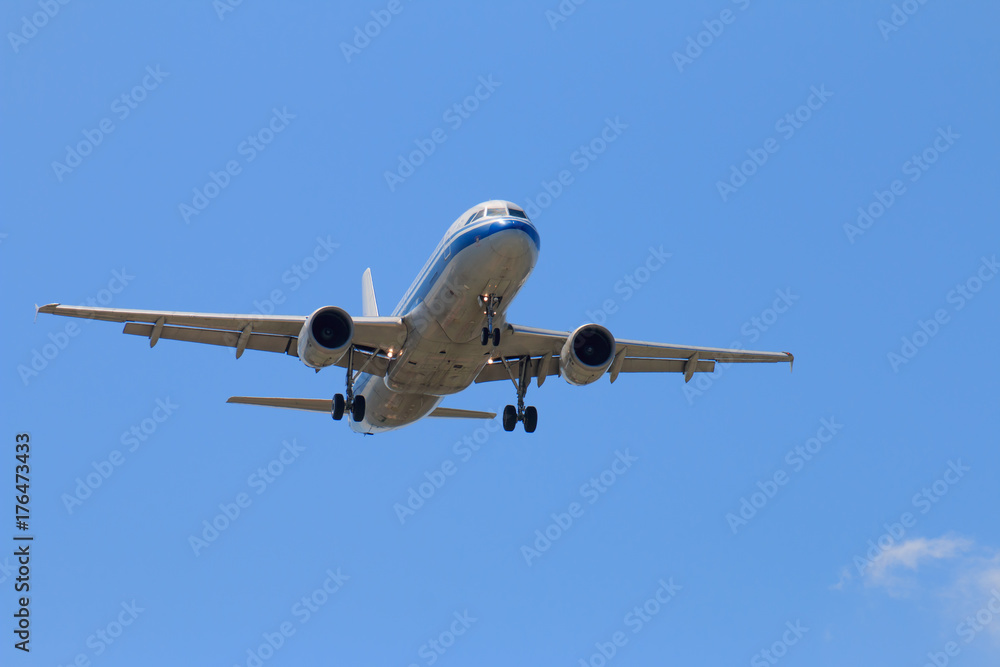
355	404
527	415
490	303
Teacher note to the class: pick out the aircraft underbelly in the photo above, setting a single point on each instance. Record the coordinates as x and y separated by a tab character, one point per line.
443	353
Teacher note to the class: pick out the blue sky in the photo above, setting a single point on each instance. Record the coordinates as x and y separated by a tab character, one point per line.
822	176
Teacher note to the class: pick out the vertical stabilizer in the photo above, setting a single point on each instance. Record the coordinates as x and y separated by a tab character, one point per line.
369	307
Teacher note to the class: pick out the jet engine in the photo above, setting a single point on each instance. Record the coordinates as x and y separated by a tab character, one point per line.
325	337
587	354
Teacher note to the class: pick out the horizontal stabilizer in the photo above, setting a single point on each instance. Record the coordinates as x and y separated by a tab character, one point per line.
311	404
461	414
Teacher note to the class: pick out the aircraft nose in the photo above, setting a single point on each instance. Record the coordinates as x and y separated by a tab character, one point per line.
514	238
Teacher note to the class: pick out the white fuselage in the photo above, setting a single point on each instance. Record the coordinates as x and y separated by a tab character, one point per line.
444	316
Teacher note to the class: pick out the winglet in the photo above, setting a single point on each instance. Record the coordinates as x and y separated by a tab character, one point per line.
791	361
36	312
369	306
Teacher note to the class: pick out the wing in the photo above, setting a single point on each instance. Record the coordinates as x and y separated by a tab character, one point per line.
541	348
270	333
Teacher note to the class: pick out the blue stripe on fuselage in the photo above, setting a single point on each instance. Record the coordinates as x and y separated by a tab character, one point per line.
462	239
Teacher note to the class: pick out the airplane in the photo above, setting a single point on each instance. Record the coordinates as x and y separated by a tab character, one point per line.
449	330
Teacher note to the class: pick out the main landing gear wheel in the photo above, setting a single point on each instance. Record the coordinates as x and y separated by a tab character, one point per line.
528	415
350	403
358	409
509	418
490	303
338	407
530	419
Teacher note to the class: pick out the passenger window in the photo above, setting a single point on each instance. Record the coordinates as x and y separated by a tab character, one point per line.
517	213
496	211
475	216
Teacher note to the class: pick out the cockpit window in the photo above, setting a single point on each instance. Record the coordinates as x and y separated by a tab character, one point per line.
475	216
517	213
496	211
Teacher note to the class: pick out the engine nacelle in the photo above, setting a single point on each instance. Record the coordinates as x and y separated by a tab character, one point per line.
587	354
325	337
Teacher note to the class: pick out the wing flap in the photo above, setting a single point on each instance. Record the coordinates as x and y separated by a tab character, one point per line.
495	372
257	341
633	365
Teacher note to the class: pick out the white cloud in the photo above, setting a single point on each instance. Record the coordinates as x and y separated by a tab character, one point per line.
911	554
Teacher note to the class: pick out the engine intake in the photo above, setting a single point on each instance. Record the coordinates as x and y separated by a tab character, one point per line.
325	337
587	354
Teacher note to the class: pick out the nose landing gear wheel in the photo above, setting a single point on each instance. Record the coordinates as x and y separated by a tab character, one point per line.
338	407
490	303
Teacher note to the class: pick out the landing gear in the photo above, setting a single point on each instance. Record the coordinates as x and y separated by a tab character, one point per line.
356	404
530	419
490	303
509	418
358	409
528	415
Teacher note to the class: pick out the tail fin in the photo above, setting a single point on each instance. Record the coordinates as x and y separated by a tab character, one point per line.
369	307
